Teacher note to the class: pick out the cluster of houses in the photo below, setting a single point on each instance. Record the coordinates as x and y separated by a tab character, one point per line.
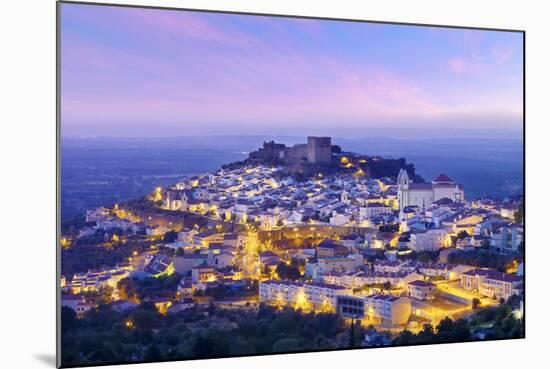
430	215
325	297
92	280
260	194
384	291
385	215
491	283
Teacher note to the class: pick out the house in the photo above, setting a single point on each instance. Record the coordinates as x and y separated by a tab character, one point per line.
317	268
203	273
491	283
183	264
428	240
359	278
207	237
421	290
508	210
185	287
351	242
373	209
71	300
224	259
235	240
266	256
376	308
339	219
183	304
82	308
160	265
507	239
433	270
329	249
315	296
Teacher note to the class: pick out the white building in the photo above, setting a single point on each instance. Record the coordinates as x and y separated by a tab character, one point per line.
429	240
491	283
421	290
339	219
358	279
307	296
373	209
507	239
333	265
376	308
424	194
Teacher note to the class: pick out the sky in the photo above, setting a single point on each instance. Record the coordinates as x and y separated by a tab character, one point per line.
131	72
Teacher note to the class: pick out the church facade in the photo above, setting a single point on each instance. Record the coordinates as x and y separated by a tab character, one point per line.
424	194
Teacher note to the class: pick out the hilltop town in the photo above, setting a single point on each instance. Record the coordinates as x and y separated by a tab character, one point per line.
312	228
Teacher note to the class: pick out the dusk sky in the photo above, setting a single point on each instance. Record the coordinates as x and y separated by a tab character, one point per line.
148	72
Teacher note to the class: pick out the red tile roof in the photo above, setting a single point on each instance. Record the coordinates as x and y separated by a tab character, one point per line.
442	178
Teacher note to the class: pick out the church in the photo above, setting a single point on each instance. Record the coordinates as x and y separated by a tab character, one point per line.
424	194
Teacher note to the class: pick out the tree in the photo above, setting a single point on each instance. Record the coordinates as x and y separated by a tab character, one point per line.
153	353
211	308
170	237
406	337
285	271
351	342
355	333
445	327
426	335
286	345
426	256
68	319
145	318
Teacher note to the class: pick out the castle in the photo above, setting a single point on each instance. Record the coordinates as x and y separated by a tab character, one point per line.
424	194
317	151
319	155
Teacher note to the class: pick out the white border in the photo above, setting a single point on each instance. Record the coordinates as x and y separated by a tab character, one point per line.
28	180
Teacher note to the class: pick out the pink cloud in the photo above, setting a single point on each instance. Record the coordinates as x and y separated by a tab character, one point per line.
202	71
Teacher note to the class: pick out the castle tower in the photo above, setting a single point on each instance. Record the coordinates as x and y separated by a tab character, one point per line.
319	150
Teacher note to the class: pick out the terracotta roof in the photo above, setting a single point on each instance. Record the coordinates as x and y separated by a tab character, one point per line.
442	178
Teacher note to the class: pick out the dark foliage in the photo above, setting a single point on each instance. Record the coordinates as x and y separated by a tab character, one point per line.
482	259
103	337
